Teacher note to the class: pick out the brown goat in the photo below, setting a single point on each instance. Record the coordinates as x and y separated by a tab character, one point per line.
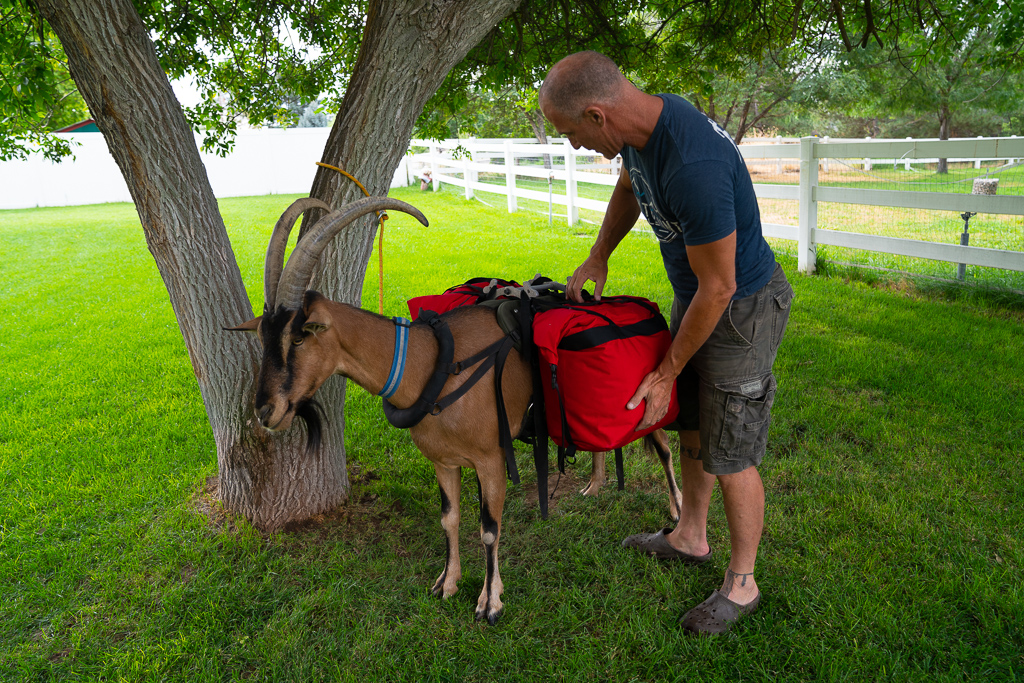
306	338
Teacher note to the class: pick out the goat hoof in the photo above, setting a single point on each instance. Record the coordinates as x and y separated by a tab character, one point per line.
492	617
438	590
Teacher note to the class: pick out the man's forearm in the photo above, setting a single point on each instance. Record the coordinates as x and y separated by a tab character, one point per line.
697	324
619	219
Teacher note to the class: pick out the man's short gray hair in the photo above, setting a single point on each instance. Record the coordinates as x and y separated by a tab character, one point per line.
580	80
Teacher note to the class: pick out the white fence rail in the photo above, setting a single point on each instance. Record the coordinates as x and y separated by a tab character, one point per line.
810	154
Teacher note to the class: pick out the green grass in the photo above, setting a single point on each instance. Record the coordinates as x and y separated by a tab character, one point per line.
895	489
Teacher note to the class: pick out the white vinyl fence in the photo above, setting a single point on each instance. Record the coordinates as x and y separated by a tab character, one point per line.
263	161
460	162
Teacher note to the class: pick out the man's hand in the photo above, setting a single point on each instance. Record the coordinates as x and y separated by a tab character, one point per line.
594	269
656	389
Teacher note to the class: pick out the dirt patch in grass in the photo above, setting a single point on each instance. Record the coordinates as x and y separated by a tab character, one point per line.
206	502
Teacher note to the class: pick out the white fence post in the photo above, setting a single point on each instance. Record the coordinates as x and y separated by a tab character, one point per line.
806	249
778	162
867	160
510	177
435	183
906	162
977	162
467	172
572	213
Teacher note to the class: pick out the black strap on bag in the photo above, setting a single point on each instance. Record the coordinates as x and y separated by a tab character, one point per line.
540	425
620	473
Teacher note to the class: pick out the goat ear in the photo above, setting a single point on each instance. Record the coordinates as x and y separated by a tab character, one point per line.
314	327
310	298
250	326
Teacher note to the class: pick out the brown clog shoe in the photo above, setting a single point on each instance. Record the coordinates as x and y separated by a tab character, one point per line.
717	614
656	544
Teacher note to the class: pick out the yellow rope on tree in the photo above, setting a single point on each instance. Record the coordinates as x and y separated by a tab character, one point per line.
381	216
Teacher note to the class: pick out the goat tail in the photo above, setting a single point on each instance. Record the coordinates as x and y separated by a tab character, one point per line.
656	443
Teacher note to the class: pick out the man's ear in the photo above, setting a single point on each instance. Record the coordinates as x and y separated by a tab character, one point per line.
595	115
250	326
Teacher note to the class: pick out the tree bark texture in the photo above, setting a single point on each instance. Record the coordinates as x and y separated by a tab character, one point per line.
268	479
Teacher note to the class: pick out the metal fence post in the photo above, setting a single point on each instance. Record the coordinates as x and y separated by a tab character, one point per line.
572	213
806	249
510	177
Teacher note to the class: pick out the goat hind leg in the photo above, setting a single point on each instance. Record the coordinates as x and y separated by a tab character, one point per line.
449	481
597	475
659	441
491	483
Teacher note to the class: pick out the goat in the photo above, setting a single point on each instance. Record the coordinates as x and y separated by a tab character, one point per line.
306	338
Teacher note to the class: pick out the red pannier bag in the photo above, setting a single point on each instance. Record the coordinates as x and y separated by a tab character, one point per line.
468	293
592	359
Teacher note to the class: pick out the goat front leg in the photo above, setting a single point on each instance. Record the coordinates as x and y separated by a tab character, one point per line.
597	475
449	480
659	441
491	483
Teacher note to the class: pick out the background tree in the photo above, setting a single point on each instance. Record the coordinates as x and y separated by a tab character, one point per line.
37	94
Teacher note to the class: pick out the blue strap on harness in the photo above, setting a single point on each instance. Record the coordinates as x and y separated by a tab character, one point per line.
398	362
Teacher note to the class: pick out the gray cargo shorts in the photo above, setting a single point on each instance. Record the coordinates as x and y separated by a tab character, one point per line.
727	388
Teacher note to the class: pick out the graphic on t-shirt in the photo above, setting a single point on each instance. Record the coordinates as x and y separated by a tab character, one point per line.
664	229
721	131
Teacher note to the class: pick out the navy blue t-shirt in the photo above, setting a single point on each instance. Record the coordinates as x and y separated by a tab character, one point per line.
694	188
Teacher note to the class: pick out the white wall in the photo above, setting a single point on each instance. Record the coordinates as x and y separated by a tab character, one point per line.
264	161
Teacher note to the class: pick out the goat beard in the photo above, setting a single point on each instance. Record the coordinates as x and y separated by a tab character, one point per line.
312	413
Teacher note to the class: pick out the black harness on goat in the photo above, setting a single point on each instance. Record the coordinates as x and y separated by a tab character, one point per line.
493	356
515	316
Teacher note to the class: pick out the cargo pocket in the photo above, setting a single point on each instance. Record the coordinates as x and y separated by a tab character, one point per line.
742	427
781	302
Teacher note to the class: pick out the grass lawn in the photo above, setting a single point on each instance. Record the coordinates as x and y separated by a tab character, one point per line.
895	488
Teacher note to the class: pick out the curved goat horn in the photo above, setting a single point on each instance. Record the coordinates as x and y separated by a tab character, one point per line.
305	255
278	241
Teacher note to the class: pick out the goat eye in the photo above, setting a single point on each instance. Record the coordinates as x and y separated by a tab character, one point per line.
298	341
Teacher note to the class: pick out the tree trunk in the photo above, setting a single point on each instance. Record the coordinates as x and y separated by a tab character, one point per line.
943	134
536	118
408	48
268	479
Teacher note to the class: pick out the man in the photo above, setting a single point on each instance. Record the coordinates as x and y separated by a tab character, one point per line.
729	312
425	179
